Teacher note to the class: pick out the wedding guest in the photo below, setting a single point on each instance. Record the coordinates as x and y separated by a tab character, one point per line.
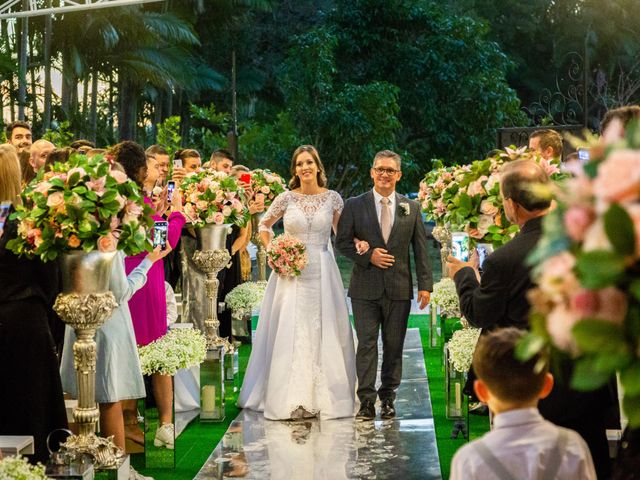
162	157
222	161
148	305
26	170
57	155
19	135
172	308
95	151
499	300
623	114
118	374
522	444
38	154
82	146
547	142
191	160
31	402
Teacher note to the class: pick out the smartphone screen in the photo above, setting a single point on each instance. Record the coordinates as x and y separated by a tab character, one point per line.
245	178
177	163
460	246
171	186
583	155
160	230
5	208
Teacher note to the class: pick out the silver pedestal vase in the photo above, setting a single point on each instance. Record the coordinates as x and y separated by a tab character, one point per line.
210	257
257	241
442	234
84	304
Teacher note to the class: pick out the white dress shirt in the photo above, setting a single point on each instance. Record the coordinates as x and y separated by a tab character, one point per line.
392	205
523	441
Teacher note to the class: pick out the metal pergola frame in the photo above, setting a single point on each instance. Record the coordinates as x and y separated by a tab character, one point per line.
34	8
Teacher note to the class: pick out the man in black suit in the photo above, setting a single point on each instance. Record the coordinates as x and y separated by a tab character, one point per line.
500	300
381	286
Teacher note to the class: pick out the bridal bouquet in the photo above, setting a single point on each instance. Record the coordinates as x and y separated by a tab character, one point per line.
179	348
81	205
461	348
446	297
587	302
286	255
213	197
266	186
19	468
245	297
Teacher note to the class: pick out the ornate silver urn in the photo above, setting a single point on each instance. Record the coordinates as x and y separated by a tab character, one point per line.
257	241
210	257
442	234
84	304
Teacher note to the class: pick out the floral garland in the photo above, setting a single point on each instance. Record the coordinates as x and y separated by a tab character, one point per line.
179	348
266	186
245	297
446	297
213	197
587	270
461	347
468	198
19	468
81	205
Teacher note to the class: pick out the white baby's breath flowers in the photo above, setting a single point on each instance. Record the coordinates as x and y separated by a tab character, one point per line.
446	297
245	297
461	348
19	468
179	348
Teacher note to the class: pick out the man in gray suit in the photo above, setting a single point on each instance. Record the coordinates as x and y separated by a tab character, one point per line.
381	286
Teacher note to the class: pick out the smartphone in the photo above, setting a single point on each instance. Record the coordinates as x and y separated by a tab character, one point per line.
160	231
245	178
583	155
171	186
5	209
460	246
177	163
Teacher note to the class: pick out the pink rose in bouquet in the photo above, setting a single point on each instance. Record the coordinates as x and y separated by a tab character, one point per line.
287	256
266	186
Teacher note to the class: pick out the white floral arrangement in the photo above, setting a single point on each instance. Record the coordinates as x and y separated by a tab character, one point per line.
179	348
446	297
19	468
461	348
245	297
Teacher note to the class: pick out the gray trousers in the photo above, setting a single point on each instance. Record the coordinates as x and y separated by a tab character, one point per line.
369	317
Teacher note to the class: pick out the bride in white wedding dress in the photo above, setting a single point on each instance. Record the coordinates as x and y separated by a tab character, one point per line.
302	362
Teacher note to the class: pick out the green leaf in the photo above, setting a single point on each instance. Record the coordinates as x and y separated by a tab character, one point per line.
619	228
630	379
613	361
529	345
599	268
465	203
631	407
593	336
586	377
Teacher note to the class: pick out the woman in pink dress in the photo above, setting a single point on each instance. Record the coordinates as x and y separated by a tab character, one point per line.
149	306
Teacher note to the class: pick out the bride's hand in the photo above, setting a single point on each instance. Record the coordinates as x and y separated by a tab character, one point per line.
362	246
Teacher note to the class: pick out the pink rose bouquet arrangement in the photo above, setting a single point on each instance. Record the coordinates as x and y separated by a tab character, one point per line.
468	198
286	255
213	197
266	186
81	205
587	270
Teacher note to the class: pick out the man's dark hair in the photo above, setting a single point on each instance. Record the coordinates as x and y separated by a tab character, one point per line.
16	124
132	158
624	114
76	144
509	379
222	153
521	181
58	155
156	150
549	138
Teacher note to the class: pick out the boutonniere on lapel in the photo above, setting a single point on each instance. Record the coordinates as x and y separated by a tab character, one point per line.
405	208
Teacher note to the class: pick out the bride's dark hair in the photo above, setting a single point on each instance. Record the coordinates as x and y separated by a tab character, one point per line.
311	150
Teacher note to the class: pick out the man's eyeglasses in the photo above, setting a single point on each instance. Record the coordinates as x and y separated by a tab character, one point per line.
388	171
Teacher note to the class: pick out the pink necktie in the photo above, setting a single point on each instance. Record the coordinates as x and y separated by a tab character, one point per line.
385	219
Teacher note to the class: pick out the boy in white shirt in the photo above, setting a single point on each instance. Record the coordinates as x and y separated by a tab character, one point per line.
522	445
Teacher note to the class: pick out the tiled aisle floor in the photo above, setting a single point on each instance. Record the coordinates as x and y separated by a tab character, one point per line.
404	448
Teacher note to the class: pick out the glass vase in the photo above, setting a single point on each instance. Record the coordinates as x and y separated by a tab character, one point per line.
212	385
435	329
231	373
456	404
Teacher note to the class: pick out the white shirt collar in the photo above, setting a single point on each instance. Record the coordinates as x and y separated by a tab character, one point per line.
517	417
378	197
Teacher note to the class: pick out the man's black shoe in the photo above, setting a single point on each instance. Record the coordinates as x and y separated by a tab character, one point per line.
388	410
367	410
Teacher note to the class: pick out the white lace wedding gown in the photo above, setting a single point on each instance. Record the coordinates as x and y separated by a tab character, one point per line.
303	354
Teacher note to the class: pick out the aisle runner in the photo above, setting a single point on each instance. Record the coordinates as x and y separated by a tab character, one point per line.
404	448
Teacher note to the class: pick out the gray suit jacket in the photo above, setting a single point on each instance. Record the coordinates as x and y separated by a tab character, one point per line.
368	282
